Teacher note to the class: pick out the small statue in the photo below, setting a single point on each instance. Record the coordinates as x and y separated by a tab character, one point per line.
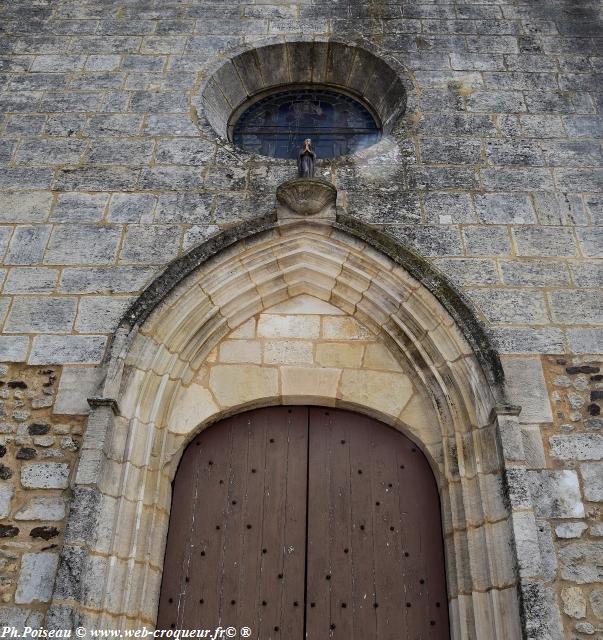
306	160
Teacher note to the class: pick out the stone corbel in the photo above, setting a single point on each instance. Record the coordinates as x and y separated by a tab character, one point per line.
306	198
96	401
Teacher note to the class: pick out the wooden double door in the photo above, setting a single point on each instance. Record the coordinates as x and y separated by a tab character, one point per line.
305	522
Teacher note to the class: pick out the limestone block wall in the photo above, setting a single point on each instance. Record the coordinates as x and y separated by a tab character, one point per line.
38	451
109	169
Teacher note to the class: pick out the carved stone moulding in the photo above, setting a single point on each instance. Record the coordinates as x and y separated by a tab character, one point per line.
306	197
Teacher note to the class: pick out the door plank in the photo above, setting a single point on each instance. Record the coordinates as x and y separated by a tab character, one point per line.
318	570
249	598
179	540
391	618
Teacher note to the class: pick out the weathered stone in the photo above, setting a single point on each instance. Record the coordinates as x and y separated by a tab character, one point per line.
5	472
577	307
20	618
150	244
6	495
574	602
592	478
556	494
79	207
8	531
26	453
526	387
36	577
45	475
511	306
585	627
46	532
42	508
580	446
105	279
274	326
596	603
544	241
31	280
106	137
543	620
131	207
585	340
21	206
27	244
570	529
67	349
41	314
100	314
546	546
38	428
533	447
582	562
233	385
82	244
504	208
75	387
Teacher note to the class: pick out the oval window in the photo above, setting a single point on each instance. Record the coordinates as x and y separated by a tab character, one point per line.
278	124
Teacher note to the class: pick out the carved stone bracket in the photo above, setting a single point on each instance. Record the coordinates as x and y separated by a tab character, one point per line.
96	401
306	197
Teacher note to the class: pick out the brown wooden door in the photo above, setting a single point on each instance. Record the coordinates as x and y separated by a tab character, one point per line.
305	522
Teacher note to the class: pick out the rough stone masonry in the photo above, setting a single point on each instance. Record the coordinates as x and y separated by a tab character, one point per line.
109	169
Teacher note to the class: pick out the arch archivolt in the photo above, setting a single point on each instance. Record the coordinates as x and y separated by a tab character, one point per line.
304	313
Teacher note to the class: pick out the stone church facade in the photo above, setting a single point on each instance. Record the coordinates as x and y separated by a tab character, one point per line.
152	284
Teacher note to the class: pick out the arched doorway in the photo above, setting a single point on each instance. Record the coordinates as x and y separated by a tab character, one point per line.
213	336
305	522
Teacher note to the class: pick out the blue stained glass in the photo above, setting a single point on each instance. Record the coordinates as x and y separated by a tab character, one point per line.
278	124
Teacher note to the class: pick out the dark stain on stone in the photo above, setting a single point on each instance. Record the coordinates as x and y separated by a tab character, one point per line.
594	409
38	428
46	533
8	531
5	472
597	378
596	395
17	384
26	453
2	451
584	368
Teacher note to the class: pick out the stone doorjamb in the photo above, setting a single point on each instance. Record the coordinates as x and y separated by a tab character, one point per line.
110	568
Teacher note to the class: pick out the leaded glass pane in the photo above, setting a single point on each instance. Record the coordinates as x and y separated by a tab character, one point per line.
278	124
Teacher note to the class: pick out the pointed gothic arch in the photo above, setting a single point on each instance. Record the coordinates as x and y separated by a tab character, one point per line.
159	394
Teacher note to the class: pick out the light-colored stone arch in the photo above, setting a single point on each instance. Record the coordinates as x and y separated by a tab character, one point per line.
181	370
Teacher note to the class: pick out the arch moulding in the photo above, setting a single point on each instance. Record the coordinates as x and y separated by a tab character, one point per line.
303	312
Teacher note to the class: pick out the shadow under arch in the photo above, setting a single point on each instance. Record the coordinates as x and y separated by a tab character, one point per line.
446	394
